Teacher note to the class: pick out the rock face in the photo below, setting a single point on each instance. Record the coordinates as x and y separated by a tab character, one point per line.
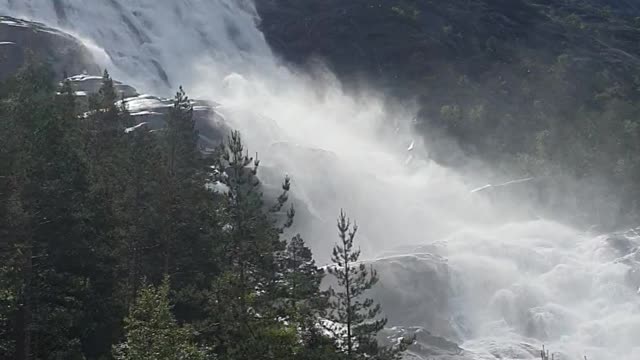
403	44
20	39
151	111
492	79
89	84
426	346
155	42
414	289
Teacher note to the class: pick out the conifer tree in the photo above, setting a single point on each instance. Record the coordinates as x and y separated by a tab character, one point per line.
182	139
243	296
354	320
42	218
139	204
302	279
305	302
106	154
183	181
25	110
105	123
87	210
152	331
302	276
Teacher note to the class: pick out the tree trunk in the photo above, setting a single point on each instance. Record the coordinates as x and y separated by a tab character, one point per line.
348	299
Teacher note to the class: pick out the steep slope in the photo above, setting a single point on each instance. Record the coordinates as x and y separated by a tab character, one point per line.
20	39
541	88
498	286
135	36
423	48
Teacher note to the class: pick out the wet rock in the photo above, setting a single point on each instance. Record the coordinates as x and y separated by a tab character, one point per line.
20	39
426	345
89	84
414	290
152	111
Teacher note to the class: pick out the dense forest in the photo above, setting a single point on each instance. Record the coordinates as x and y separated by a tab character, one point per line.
118	242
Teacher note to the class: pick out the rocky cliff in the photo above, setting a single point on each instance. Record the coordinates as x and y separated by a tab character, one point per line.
20	39
536	87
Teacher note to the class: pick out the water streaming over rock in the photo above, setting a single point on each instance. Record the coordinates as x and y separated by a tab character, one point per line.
450	261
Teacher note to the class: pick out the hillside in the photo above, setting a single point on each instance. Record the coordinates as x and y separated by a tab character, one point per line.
21	39
138	226
541	88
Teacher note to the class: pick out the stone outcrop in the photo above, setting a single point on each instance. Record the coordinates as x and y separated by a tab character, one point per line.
20	39
151	111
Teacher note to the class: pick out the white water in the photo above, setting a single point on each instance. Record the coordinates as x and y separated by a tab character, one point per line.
512	282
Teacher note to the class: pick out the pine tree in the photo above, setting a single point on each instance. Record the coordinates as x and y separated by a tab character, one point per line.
107	96
183	180
244	295
182	139
152	331
42	219
139	206
353	320
305	302
301	275
253	239
25	110
106	154
302	278
87	211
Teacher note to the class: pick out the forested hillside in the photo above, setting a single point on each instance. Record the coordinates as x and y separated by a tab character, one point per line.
539	88
119	241
489	149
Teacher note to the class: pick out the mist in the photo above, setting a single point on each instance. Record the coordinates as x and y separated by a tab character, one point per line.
510	281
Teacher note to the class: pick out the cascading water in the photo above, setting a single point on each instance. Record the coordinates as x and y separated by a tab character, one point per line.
508	286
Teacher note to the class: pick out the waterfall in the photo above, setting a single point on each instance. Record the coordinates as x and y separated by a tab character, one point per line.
512	284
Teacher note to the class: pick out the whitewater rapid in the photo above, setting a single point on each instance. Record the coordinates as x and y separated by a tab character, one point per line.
509	286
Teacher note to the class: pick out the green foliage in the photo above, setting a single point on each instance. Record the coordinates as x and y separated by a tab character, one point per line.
355	321
91	217
244	298
152	331
181	139
40	218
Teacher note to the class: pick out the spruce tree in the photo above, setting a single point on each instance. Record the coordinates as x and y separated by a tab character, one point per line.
43	218
244	295
152	331
301	275
139	205
353	319
183	182
305	302
182	139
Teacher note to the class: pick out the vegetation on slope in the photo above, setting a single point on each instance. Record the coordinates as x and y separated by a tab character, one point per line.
541	88
138	245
